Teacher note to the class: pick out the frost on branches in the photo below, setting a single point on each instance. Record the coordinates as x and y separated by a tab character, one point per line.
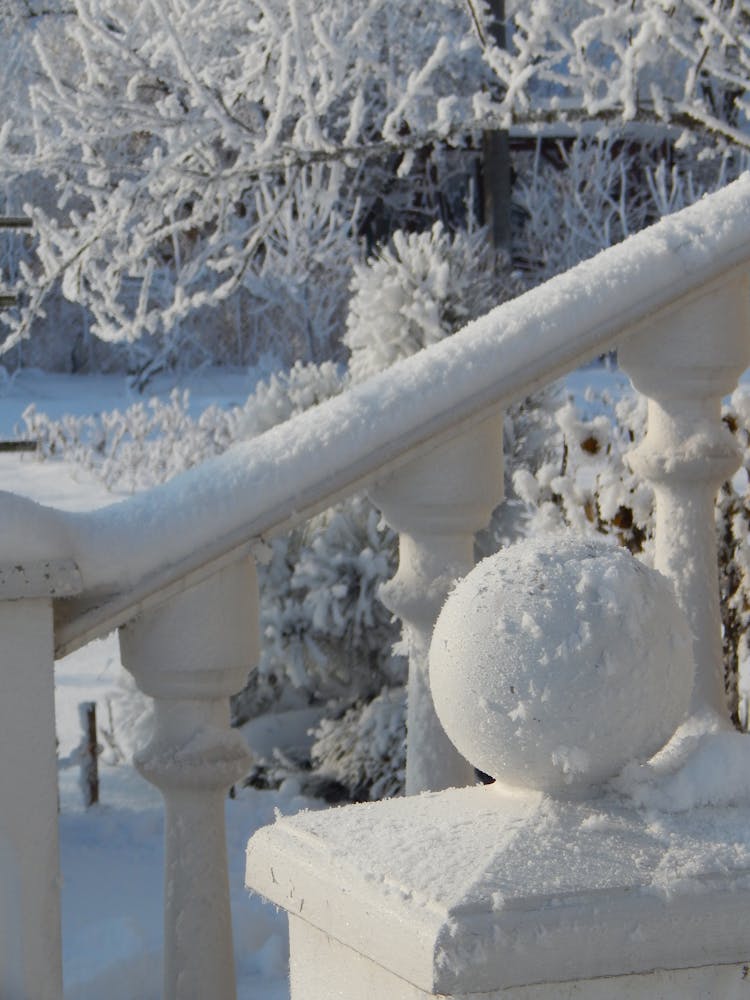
649	62
202	176
214	155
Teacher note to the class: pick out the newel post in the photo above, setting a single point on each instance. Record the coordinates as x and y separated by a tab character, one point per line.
189	654
437	503
684	362
557	665
30	946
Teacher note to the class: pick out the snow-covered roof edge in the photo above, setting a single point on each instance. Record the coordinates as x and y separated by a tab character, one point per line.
140	546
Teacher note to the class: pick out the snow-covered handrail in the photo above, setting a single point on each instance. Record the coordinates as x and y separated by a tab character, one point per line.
132	550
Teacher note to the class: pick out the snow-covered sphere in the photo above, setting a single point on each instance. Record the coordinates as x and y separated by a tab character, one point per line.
559	660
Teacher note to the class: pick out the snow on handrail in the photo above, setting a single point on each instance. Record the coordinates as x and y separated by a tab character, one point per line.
161	541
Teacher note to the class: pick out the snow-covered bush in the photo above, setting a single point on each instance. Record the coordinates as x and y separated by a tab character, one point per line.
325	634
417	290
577	199
364	750
422	287
581	196
296	291
284	394
136	448
587	485
151	441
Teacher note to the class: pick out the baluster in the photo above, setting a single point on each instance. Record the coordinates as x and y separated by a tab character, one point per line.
189	654
437	503
684	362
30	949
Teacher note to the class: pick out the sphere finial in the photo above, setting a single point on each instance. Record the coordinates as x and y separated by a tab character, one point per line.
559	660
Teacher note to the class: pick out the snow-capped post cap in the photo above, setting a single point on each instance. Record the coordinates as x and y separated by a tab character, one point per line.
36	554
559	660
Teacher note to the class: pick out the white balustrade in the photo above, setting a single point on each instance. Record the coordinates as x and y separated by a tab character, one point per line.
472	890
437	503
685	362
189	655
555	678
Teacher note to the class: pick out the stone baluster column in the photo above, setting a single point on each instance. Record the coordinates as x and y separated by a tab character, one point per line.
189	654
30	948
437	503
685	361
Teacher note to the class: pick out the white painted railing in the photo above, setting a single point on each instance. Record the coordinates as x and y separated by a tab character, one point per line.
172	569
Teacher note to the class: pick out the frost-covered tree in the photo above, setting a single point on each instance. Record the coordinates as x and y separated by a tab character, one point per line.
203	153
581	196
652	62
215	165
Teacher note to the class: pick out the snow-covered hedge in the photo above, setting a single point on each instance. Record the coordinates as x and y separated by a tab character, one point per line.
363	751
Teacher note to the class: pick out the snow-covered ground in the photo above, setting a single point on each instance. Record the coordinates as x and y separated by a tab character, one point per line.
57	394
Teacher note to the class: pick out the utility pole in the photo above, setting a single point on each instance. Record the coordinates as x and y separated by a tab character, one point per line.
496	178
